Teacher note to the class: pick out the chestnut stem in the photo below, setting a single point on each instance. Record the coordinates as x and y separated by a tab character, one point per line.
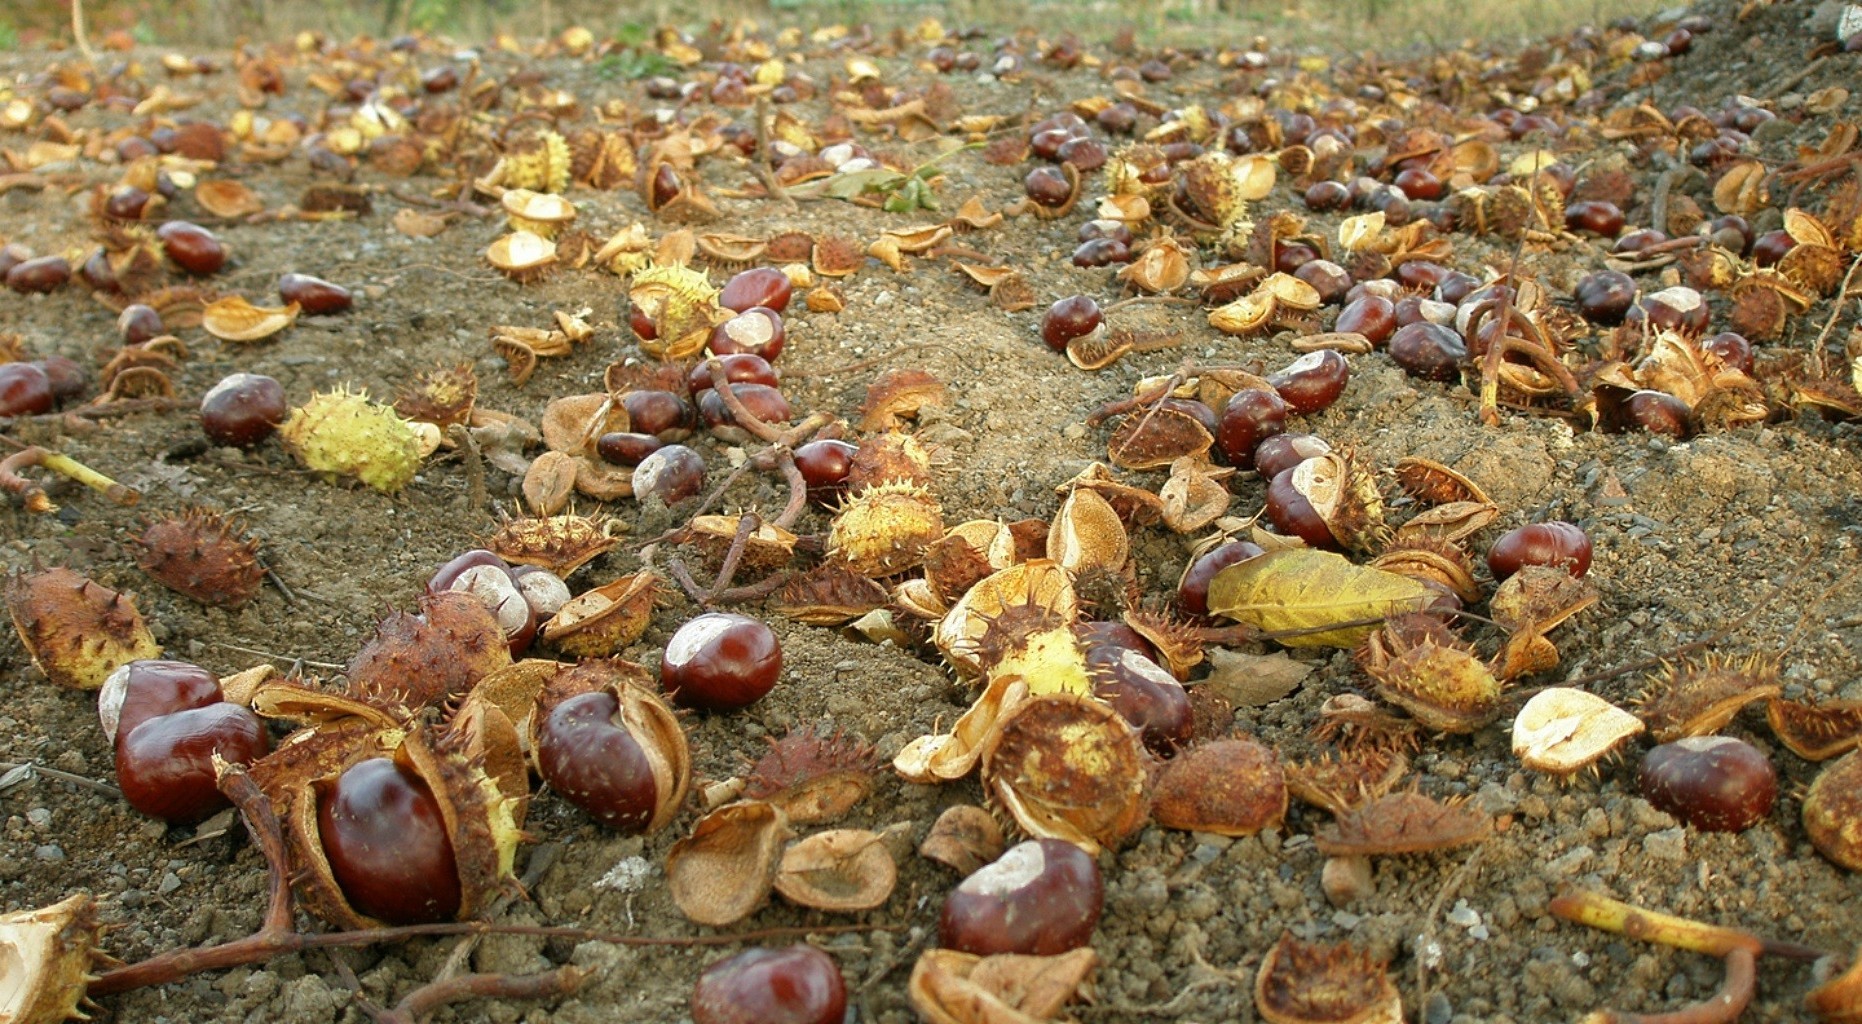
474	462
747	524
764	172
683	577
740	413
1605	914
1723	1007
1836	312
33	496
435	994
124	407
798	489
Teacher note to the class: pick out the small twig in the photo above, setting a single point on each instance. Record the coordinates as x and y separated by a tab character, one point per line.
429	997
125	407
474	464
1836	312
747	524
1442	896
332	666
764	172
1790	81
752	591
1658	206
33	496
35	768
683	577
77	30
798	489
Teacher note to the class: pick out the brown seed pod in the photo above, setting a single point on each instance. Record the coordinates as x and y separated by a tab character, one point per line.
1426	670
1355	723
1178	647
943	757
1229	787
1816	732
1087	532
837	256
46	958
897	395
1698	697
1447	524
885	529
1432	561
1561	730
522	256
1342	782
723	871
1833	812
965	837
603	621
955	564
828	595
441	396
1068	767
76	630
203	555
1154	438
844	870
1406	822
1302	983
766	548
953	987
994	617
811	777
1435	483
562	543
888	458
442	651
1344	494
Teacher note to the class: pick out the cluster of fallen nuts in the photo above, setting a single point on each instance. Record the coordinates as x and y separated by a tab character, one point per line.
398	799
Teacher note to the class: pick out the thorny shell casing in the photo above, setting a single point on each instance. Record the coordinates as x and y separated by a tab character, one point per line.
76	630
203	555
811	777
1833	811
885	529
602	621
1698	697
46	956
1426	670
1068	767
1402	823
1301	983
343	432
415	660
1562	730
1231	787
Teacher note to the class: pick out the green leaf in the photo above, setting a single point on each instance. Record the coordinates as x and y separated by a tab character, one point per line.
1304	589
846	186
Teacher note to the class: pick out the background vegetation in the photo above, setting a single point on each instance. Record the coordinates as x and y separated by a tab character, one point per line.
1352	24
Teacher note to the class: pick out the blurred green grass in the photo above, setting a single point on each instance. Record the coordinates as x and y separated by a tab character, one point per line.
1318	24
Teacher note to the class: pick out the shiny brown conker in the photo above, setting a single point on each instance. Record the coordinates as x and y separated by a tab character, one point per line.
671	474
1329	279
1295	516
1370	315
25	390
242	410
314	295
739	368
1312	382
1250	415
1595	216
164	765
659	413
138	323
758	286
1148	698
1326	196
387	844
151	688
1072	317
39	275
596	764
757	331
192	247
1604	296
720	662
1714	783
1099	252
1047	187
1284	451
1418	184
1040	898
763	402
1772	246
1428	350
1553	543
1193	588
1659	412
825	464
1733	349
796	985
626	448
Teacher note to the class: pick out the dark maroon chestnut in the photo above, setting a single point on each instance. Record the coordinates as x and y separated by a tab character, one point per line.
626	448
1428	350
665	187
1150	699
659	413
1636	241
1329	279
1732	233
151	688
1040	898
1113	229
1595	216
671	474
314	295
242	410
1456	286
12	255
1250	415
1714	783
720	662
1193	588
1046	143
1418	184
757	331
1085	154
1552	543
1772	246
1733	349
1312	382
387	844
192	247
1047	186
1604	296
126	202
25	390
1284	451
763	402
1099	252
1370	315
796	985
98	275
39	275
1290	256
758	286
1672	309
1292	514
1420	275
1072	317
164	765
1325	196
444	78
1659	412
138	323
585	753
1119	118
824	465
739	368
67	377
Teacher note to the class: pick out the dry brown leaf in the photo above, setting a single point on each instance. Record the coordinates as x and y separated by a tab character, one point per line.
235	319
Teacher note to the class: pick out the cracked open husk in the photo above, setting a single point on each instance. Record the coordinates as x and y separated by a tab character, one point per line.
950	987
1561	730
1068	767
46	956
77	630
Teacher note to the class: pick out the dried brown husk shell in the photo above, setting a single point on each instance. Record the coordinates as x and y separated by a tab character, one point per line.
1067	767
549	483
891	457
885	529
765	547
46	957
1436	484
1833	812
813	778
1563	730
1308	983
1039	584
1839	1000
561	543
896	395
1350	779
944	757
1816	732
227	199
204	555
76	630
842	870
1195	495
1426	670
1529	604
1699	697
603	621
828	595
724	870
1161	267
1450	523
683	306
522	256
235	319
1345	496
1436	561
572	424
965	837
1403	822
952	987
643	714
1087	532
1232	787
1135	505
1154	438
442	651
442	396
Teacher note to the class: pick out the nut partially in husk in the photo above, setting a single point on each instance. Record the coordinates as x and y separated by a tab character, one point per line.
1068	767
845	870
602	621
1833	812
1345	496
76	630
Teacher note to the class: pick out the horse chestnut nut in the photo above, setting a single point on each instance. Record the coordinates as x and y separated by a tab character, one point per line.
387	844
1714	783
1040	898
1554	543
796	985
721	662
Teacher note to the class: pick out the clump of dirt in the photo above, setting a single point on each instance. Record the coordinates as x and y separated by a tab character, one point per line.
1754	528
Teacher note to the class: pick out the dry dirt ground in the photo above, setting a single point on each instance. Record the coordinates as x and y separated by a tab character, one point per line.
1689	537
